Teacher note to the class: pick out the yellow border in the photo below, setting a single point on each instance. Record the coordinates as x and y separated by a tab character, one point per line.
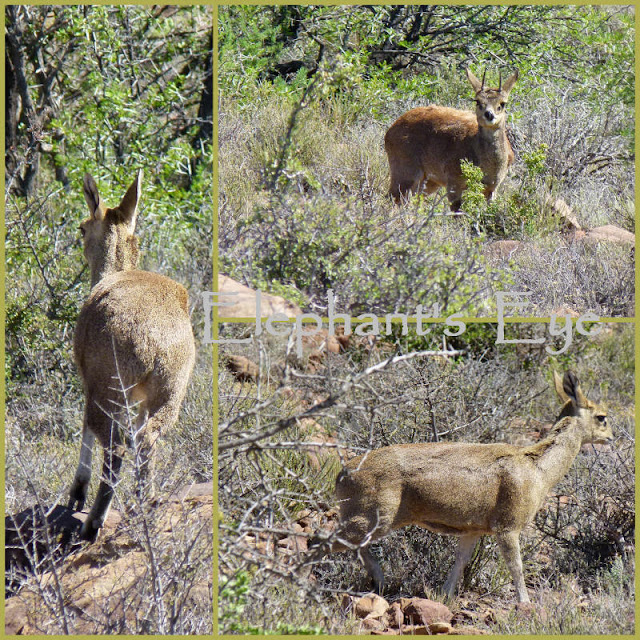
214	390
2	330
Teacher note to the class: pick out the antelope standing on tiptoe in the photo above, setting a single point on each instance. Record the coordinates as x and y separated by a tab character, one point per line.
426	145
463	489
133	346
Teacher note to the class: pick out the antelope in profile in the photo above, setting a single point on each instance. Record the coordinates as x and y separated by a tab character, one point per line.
463	489
426	145
133	346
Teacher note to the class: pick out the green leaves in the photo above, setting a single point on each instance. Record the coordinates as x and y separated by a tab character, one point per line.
124	96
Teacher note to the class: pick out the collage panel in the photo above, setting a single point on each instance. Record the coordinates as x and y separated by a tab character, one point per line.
426	479
435	155
381	163
374	163
108	246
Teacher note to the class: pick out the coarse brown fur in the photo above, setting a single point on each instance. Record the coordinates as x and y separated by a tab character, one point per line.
426	145
464	489
133	346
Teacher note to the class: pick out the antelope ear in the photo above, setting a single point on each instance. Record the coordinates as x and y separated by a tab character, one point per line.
557	381
91	195
571	386
509	82
129	205
475	83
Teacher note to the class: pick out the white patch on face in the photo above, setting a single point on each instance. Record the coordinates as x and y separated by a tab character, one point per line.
488	113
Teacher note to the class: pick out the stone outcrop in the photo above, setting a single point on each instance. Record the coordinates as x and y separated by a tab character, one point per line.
406	616
611	233
241	301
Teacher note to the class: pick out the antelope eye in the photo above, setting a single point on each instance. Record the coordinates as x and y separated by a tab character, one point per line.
502	104
602	419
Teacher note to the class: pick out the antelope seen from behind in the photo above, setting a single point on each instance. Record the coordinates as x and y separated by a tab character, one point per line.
133	346
464	489
426	145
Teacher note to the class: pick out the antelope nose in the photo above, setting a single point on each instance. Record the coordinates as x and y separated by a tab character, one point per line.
489	116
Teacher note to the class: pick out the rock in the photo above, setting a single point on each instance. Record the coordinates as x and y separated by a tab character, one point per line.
316	346
371	605
560	500
395	616
293	544
106	584
306	520
489	616
242	369
525	609
561	312
563	212
15	618
421	610
324	341
32	537
611	233
240	301
373	624
415	630
440	627
318	455
195	490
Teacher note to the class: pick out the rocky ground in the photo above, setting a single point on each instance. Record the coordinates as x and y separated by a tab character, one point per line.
114	584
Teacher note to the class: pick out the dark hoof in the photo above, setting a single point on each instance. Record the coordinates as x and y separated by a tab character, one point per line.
89	531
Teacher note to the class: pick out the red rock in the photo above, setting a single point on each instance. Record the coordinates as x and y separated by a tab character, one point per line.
421	610
371	605
373	624
243	303
395	616
611	233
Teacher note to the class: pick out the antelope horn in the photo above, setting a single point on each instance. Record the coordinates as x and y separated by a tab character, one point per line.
484	73
500	87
